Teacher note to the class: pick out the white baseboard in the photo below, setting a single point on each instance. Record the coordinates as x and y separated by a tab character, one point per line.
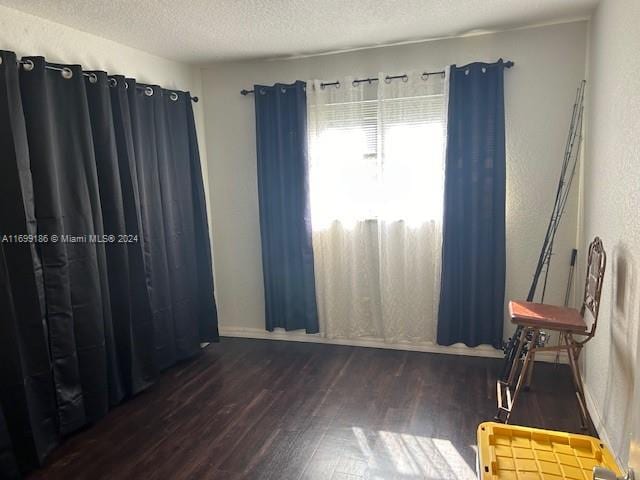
598	422
485	351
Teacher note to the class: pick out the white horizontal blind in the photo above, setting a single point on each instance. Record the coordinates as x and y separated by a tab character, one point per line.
356	118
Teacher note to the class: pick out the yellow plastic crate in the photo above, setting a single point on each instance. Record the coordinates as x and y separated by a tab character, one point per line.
508	452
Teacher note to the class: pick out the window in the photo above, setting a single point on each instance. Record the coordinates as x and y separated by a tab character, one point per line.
377	158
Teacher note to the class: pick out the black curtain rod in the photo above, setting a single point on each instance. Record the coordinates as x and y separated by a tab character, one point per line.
67	73
388	78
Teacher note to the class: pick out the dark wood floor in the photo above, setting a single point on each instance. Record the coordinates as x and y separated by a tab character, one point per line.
252	409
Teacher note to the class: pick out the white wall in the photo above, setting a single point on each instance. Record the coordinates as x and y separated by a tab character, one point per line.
611	208
550	61
30	35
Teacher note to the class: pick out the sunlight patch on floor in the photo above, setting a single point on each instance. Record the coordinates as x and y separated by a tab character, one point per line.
413	457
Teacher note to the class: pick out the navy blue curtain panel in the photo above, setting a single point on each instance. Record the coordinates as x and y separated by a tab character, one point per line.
105	265
473	253
285	221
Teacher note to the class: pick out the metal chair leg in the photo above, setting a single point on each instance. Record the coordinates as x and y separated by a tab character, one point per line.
573	353
523	372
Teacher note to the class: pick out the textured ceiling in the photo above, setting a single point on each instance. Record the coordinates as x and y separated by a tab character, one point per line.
210	30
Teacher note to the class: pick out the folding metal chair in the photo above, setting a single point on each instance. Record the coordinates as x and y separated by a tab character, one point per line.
568	322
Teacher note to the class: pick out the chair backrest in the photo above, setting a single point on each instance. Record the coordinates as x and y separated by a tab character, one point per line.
596	264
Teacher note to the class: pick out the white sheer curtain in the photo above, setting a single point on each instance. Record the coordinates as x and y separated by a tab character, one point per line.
377	178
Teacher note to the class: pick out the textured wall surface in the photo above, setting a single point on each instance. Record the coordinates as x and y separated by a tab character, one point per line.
540	89
611	207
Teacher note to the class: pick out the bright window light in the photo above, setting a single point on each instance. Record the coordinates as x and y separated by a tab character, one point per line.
377	160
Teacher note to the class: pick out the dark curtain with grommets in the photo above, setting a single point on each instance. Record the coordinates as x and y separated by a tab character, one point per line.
27	393
193	268
67	202
473	251
129	299
106	273
136	333
285	220
149	151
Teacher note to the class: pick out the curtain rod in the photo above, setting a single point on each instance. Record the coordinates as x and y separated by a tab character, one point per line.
68	73
388	78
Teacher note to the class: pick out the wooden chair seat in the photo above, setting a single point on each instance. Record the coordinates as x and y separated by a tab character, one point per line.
549	317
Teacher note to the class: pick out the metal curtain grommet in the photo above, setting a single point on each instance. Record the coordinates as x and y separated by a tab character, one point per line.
173	96
263	91
28	65
484	69
1	60
66	73
466	72
148	91
113	82
93	78
424	76
405	78
283	90
354	83
387	79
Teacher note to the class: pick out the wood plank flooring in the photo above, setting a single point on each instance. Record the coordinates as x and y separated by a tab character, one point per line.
259	409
